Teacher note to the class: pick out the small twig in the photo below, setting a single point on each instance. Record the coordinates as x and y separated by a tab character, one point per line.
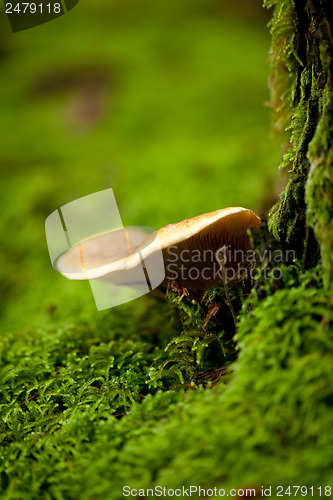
211	375
121	415
29	399
305	248
189	386
167	290
222	262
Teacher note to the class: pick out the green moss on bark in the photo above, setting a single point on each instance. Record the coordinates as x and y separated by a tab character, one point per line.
302	85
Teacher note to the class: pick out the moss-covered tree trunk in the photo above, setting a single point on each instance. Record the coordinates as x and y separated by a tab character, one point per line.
302	96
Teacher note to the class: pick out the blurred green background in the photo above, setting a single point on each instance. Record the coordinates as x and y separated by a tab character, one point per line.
163	102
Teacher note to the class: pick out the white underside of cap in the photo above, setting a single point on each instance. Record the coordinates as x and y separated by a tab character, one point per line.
164	238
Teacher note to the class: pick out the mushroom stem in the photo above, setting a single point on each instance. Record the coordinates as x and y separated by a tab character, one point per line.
222	257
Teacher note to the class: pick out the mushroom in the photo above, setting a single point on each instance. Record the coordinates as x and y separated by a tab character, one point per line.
195	251
193	248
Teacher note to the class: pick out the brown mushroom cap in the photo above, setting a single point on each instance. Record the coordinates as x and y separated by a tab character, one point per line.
225	226
188	243
193	244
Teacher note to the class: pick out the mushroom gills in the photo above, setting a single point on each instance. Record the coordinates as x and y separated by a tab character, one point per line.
193	263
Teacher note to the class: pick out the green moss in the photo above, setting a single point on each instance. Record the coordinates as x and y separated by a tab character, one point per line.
319	187
88	431
91	402
205	327
301	59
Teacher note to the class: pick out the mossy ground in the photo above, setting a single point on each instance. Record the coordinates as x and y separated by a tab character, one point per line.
91	402
83	414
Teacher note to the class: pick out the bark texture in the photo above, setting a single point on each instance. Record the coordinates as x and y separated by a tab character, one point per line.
302	97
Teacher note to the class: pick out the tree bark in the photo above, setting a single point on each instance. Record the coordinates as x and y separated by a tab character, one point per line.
302	97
